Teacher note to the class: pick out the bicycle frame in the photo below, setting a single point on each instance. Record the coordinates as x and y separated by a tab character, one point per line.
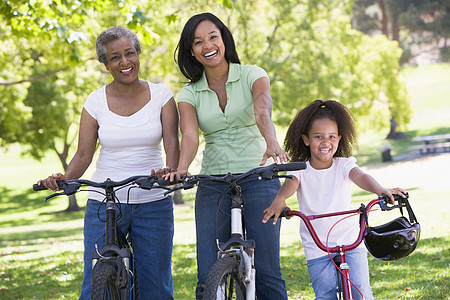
113	248
341	249
117	250
237	245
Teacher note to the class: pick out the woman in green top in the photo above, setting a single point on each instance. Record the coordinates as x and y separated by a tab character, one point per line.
231	104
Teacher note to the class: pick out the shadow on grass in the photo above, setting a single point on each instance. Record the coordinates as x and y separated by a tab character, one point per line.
27	201
35	235
42	278
61	276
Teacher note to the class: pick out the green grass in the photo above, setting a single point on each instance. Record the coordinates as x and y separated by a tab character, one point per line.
41	249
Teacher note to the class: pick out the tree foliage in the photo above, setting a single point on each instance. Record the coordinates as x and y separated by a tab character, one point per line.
308	48
405	21
311	52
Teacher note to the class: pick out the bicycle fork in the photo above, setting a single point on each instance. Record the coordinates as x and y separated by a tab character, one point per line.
246	265
344	273
112	253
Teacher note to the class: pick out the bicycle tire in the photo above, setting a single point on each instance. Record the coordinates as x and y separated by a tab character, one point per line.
102	283
223	281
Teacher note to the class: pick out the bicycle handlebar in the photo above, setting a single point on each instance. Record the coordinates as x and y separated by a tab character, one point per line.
382	200
265	173
70	187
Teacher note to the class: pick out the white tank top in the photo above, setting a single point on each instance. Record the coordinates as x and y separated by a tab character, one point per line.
130	145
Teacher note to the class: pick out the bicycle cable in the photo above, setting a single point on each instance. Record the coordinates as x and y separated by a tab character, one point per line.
329	254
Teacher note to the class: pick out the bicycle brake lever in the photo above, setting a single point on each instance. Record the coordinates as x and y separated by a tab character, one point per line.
53	195
383	202
145	183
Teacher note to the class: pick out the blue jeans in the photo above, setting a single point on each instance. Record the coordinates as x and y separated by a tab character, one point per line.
325	279
150	227
212	223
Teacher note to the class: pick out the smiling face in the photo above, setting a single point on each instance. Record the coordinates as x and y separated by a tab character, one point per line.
208	47
323	141
122	60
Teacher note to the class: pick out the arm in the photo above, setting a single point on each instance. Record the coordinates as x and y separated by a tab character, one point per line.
262	102
279	203
169	121
189	138
87	142
368	183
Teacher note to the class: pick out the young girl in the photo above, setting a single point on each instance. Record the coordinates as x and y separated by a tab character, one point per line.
323	134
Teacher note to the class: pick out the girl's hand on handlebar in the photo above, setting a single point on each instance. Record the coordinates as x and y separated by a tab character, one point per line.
50	182
274	210
395	191
277	153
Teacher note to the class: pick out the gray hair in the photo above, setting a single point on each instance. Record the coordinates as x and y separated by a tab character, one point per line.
112	34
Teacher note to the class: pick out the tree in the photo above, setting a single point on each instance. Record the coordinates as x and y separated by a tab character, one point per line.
404	21
307	47
407	18
311	52
48	67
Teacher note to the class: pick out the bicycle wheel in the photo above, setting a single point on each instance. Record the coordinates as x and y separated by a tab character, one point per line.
103	284
223	280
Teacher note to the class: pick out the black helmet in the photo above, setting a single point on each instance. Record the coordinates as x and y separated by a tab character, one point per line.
396	239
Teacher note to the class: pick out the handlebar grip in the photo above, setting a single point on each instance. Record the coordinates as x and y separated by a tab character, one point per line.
292	166
283	213
39	187
163	182
398	197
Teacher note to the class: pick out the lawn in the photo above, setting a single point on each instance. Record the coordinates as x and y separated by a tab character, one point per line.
41	248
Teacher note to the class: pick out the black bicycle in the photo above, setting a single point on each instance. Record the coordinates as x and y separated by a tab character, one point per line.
232	276
113	272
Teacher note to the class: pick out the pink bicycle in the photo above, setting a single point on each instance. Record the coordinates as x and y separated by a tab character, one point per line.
391	241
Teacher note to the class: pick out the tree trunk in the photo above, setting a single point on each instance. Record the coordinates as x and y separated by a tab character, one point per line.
395	28
384	18
177	196
393	133
73	205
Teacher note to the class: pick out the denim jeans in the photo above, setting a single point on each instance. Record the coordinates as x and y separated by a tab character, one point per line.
325	279
212	223
150	227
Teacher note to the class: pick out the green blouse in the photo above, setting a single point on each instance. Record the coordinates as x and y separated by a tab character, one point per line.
233	141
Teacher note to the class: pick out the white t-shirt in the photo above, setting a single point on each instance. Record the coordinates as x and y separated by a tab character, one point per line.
325	191
130	145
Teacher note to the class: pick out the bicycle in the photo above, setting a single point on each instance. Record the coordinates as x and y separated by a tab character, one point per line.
401	234
232	276
113	270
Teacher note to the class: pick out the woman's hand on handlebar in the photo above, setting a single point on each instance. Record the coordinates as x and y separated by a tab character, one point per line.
50	182
274	210
162	172
176	174
391	192
277	153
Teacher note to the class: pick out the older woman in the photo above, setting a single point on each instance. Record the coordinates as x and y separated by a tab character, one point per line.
129	117
231	104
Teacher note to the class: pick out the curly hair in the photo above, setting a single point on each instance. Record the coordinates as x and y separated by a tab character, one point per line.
112	34
319	109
